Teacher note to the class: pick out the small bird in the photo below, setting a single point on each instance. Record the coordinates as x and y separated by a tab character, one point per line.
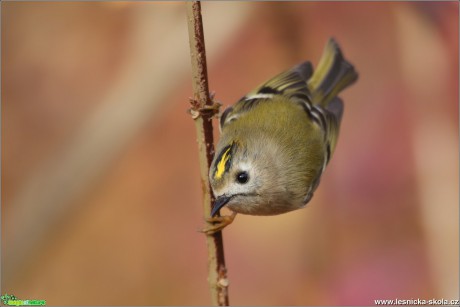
277	140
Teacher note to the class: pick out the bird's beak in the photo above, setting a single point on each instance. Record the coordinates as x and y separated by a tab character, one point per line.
219	203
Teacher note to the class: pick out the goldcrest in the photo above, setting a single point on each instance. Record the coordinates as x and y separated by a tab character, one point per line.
277	140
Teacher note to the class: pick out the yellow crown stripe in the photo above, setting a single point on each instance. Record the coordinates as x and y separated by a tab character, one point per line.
220	169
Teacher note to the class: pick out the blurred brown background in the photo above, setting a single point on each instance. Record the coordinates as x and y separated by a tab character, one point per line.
100	181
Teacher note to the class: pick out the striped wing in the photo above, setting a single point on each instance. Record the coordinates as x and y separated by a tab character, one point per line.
316	91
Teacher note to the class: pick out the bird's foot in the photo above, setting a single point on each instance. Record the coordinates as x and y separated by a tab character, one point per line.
218	223
207	110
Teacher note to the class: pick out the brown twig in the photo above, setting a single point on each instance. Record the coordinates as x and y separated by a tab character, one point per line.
217	272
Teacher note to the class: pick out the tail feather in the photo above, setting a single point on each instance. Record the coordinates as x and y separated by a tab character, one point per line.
332	75
334	118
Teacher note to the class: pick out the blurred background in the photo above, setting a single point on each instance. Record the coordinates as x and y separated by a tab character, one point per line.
101	197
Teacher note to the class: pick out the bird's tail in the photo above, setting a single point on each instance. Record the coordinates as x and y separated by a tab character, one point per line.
332	75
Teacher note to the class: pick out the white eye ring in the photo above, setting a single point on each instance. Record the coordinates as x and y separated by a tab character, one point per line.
242	177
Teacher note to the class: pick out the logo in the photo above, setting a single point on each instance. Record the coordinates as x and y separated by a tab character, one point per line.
11	300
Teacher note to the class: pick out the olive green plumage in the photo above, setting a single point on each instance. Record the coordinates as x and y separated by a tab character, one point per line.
277	140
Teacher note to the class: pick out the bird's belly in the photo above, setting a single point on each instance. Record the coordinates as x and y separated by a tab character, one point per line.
263	208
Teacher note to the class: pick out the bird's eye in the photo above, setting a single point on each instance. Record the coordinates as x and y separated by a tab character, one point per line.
242	177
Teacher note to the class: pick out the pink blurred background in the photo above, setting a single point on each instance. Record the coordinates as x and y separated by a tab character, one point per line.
101	197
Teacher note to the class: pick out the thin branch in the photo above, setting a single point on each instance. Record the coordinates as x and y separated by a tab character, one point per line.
217	272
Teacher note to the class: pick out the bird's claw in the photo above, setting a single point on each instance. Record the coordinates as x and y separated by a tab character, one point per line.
217	223
207	110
